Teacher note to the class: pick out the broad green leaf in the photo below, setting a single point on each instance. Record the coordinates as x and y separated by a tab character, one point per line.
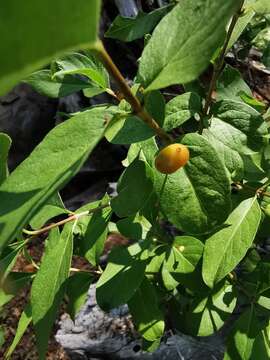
52	208
207	315
2	336
251	101
127	129
59	86
230	85
257	282
227	247
122	276
181	258
145	312
15	281
238	126
54	161
180	109
134	227
5	143
242	337
145	150
48	29
196	198
77	290
134	188
24	322
48	287
197	29
231	159
129	29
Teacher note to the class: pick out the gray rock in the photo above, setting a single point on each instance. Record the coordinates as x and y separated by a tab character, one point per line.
95	335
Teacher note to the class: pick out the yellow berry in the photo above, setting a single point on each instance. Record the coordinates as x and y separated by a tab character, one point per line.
171	158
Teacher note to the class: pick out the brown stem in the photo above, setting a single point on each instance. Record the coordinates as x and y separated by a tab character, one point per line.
220	61
129	96
63	222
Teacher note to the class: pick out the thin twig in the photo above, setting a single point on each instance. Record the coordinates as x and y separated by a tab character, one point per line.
73	217
220	61
129	96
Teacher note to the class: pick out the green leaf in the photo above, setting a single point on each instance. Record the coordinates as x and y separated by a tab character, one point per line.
154	103
44	84
52	208
244	126
242	22
24	322
230	84
48	29
92	242
207	315
227	247
5	143
266	57
15	281
145	312
241	340
129	29
197	29
8	259
193	194
127	129
54	161
77	290
134	227
122	276
48	287
261	346
84	65
180	109
181	258
261	7
134	188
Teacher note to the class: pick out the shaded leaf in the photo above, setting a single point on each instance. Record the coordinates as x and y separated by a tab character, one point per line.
122	276
145	312
5	143
132	28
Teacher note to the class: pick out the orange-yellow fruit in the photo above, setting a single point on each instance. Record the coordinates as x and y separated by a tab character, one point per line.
171	158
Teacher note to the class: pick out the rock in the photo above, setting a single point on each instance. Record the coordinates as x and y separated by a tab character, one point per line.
95	335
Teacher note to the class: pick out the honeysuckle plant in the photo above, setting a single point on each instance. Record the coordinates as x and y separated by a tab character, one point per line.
211	186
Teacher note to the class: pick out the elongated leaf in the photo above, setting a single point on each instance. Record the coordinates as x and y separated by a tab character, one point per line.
43	27
5	143
48	287
180	109
24	322
129	29
196	198
44	84
227	247
196	30
47	169
134	188
208	315
7	261
122	276
145	312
